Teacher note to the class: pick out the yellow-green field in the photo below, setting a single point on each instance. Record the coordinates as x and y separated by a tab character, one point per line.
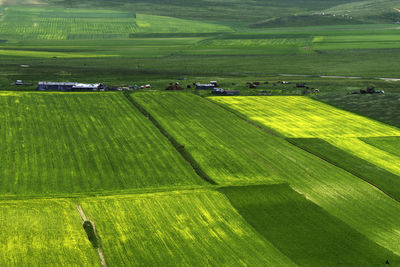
43	233
198	228
370	153
302	117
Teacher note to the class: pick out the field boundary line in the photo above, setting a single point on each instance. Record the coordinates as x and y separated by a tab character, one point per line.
179	147
99	249
151	191
334	164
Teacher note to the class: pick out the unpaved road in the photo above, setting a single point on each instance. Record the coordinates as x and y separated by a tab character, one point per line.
99	250
339	77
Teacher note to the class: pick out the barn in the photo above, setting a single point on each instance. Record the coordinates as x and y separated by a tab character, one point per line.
208	86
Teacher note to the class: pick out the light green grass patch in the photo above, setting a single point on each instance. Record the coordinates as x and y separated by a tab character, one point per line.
389	144
183	228
161	24
368	152
43	233
302	117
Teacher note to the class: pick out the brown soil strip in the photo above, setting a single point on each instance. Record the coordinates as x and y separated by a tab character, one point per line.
83	216
99	250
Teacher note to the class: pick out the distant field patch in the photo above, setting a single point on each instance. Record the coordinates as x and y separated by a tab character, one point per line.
81	142
302	117
185	228
250	46
161	24
362	41
60	24
43	232
45	54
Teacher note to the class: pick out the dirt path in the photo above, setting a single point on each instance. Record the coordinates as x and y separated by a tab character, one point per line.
339	77
99	250
83	216
398	10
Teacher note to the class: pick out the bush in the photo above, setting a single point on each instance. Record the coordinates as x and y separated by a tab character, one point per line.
89	229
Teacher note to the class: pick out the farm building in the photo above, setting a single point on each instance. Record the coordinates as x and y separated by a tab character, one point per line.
69	86
220	91
208	86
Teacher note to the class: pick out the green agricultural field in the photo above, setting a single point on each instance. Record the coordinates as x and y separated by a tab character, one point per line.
388	144
232	151
302	117
183	179
384	108
363	168
29	23
369	153
43	232
183	228
298	227
83	142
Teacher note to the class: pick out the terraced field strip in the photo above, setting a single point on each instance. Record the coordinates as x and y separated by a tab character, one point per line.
57	24
298	227
55	143
196	228
362	168
369	153
30	23
302	117
43	233
233	151
388	144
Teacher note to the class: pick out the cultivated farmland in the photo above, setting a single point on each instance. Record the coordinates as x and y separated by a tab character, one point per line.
66	143
312	230
43	232
182	179
184	228
230	150
365	168
368	152
29	23
302	117
388	144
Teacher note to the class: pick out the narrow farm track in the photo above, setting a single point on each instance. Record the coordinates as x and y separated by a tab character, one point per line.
338	77
99	249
